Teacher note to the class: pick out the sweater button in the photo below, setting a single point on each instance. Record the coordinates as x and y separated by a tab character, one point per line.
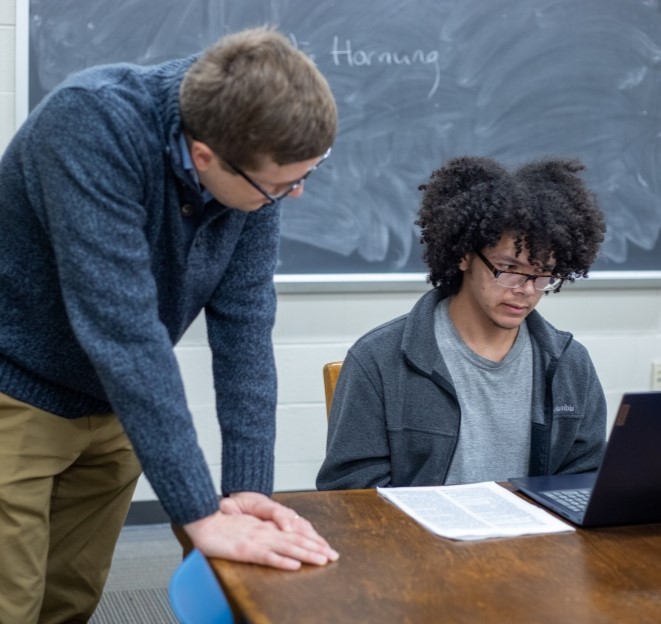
187	210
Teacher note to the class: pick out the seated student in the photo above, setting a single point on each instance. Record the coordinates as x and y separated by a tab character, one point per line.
473	384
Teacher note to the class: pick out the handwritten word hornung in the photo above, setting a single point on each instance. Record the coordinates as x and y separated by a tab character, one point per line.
361	58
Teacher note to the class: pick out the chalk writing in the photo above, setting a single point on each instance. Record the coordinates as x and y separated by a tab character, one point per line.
344	54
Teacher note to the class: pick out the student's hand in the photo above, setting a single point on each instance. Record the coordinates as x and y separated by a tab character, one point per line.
286	519
242	537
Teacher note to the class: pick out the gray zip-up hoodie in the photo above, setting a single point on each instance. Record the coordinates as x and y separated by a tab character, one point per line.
395	416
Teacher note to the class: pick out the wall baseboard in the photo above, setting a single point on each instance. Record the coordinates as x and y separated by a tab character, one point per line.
146	512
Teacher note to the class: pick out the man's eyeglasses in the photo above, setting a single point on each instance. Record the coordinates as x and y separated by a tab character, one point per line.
290	189
512	279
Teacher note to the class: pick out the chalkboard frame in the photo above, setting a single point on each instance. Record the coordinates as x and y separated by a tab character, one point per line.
312	282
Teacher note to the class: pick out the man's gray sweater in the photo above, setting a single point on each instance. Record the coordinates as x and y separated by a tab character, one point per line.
107	255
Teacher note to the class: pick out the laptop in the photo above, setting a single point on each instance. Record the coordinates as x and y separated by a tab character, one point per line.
626	489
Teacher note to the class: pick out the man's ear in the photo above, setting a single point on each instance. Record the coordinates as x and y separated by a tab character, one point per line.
201	155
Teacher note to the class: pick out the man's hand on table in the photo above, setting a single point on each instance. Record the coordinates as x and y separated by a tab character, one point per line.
253	528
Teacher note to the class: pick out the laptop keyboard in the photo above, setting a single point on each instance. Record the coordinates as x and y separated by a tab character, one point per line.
576	500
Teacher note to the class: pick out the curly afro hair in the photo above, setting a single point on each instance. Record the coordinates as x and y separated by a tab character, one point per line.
471	202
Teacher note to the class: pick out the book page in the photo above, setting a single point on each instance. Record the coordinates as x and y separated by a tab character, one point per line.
473	511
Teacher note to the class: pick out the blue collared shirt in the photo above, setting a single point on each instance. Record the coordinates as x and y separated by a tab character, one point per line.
187	164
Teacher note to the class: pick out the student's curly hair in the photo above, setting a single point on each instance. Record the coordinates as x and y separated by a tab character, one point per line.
470	202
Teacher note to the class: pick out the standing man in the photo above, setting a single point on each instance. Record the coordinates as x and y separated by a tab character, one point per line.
473	384
131	199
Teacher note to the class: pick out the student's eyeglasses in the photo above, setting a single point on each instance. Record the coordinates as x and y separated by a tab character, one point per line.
512	279
290	189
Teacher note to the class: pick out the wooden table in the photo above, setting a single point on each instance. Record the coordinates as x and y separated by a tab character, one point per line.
393	570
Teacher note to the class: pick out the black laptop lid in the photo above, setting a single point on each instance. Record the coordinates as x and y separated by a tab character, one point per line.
628	486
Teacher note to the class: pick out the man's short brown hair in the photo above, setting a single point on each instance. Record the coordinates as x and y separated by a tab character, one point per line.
254	95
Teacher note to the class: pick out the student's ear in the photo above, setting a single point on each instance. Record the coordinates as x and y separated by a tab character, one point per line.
465	262
201	155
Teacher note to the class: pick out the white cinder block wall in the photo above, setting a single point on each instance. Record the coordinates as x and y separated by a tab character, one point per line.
620	326
7	71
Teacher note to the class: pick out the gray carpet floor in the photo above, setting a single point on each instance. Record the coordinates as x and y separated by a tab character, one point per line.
136	591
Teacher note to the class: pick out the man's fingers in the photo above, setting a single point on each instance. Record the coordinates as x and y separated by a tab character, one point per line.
293	523
283	547
246	538
287	519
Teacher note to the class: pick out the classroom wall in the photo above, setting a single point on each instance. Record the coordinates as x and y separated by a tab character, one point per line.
621	327
7	64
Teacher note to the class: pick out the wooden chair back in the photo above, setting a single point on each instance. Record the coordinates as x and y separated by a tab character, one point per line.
331	373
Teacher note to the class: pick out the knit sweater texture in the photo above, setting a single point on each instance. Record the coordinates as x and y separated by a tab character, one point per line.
107	255
395	416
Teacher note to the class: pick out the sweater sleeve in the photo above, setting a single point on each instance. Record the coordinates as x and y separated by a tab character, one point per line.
240	318
357	449
88	175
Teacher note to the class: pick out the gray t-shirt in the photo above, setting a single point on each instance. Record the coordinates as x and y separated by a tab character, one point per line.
495	400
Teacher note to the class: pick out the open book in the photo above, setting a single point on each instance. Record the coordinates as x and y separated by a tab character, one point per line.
473	511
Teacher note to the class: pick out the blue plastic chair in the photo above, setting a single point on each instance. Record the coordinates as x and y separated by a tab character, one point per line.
196	596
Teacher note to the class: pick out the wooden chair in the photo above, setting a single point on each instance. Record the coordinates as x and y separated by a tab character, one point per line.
196	596
331	373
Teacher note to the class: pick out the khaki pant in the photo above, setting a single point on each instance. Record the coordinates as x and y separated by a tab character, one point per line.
65	489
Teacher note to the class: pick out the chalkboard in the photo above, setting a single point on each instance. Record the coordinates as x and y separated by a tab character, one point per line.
417	82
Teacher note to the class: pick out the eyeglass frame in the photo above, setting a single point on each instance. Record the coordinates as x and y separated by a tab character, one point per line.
528	278
295	185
